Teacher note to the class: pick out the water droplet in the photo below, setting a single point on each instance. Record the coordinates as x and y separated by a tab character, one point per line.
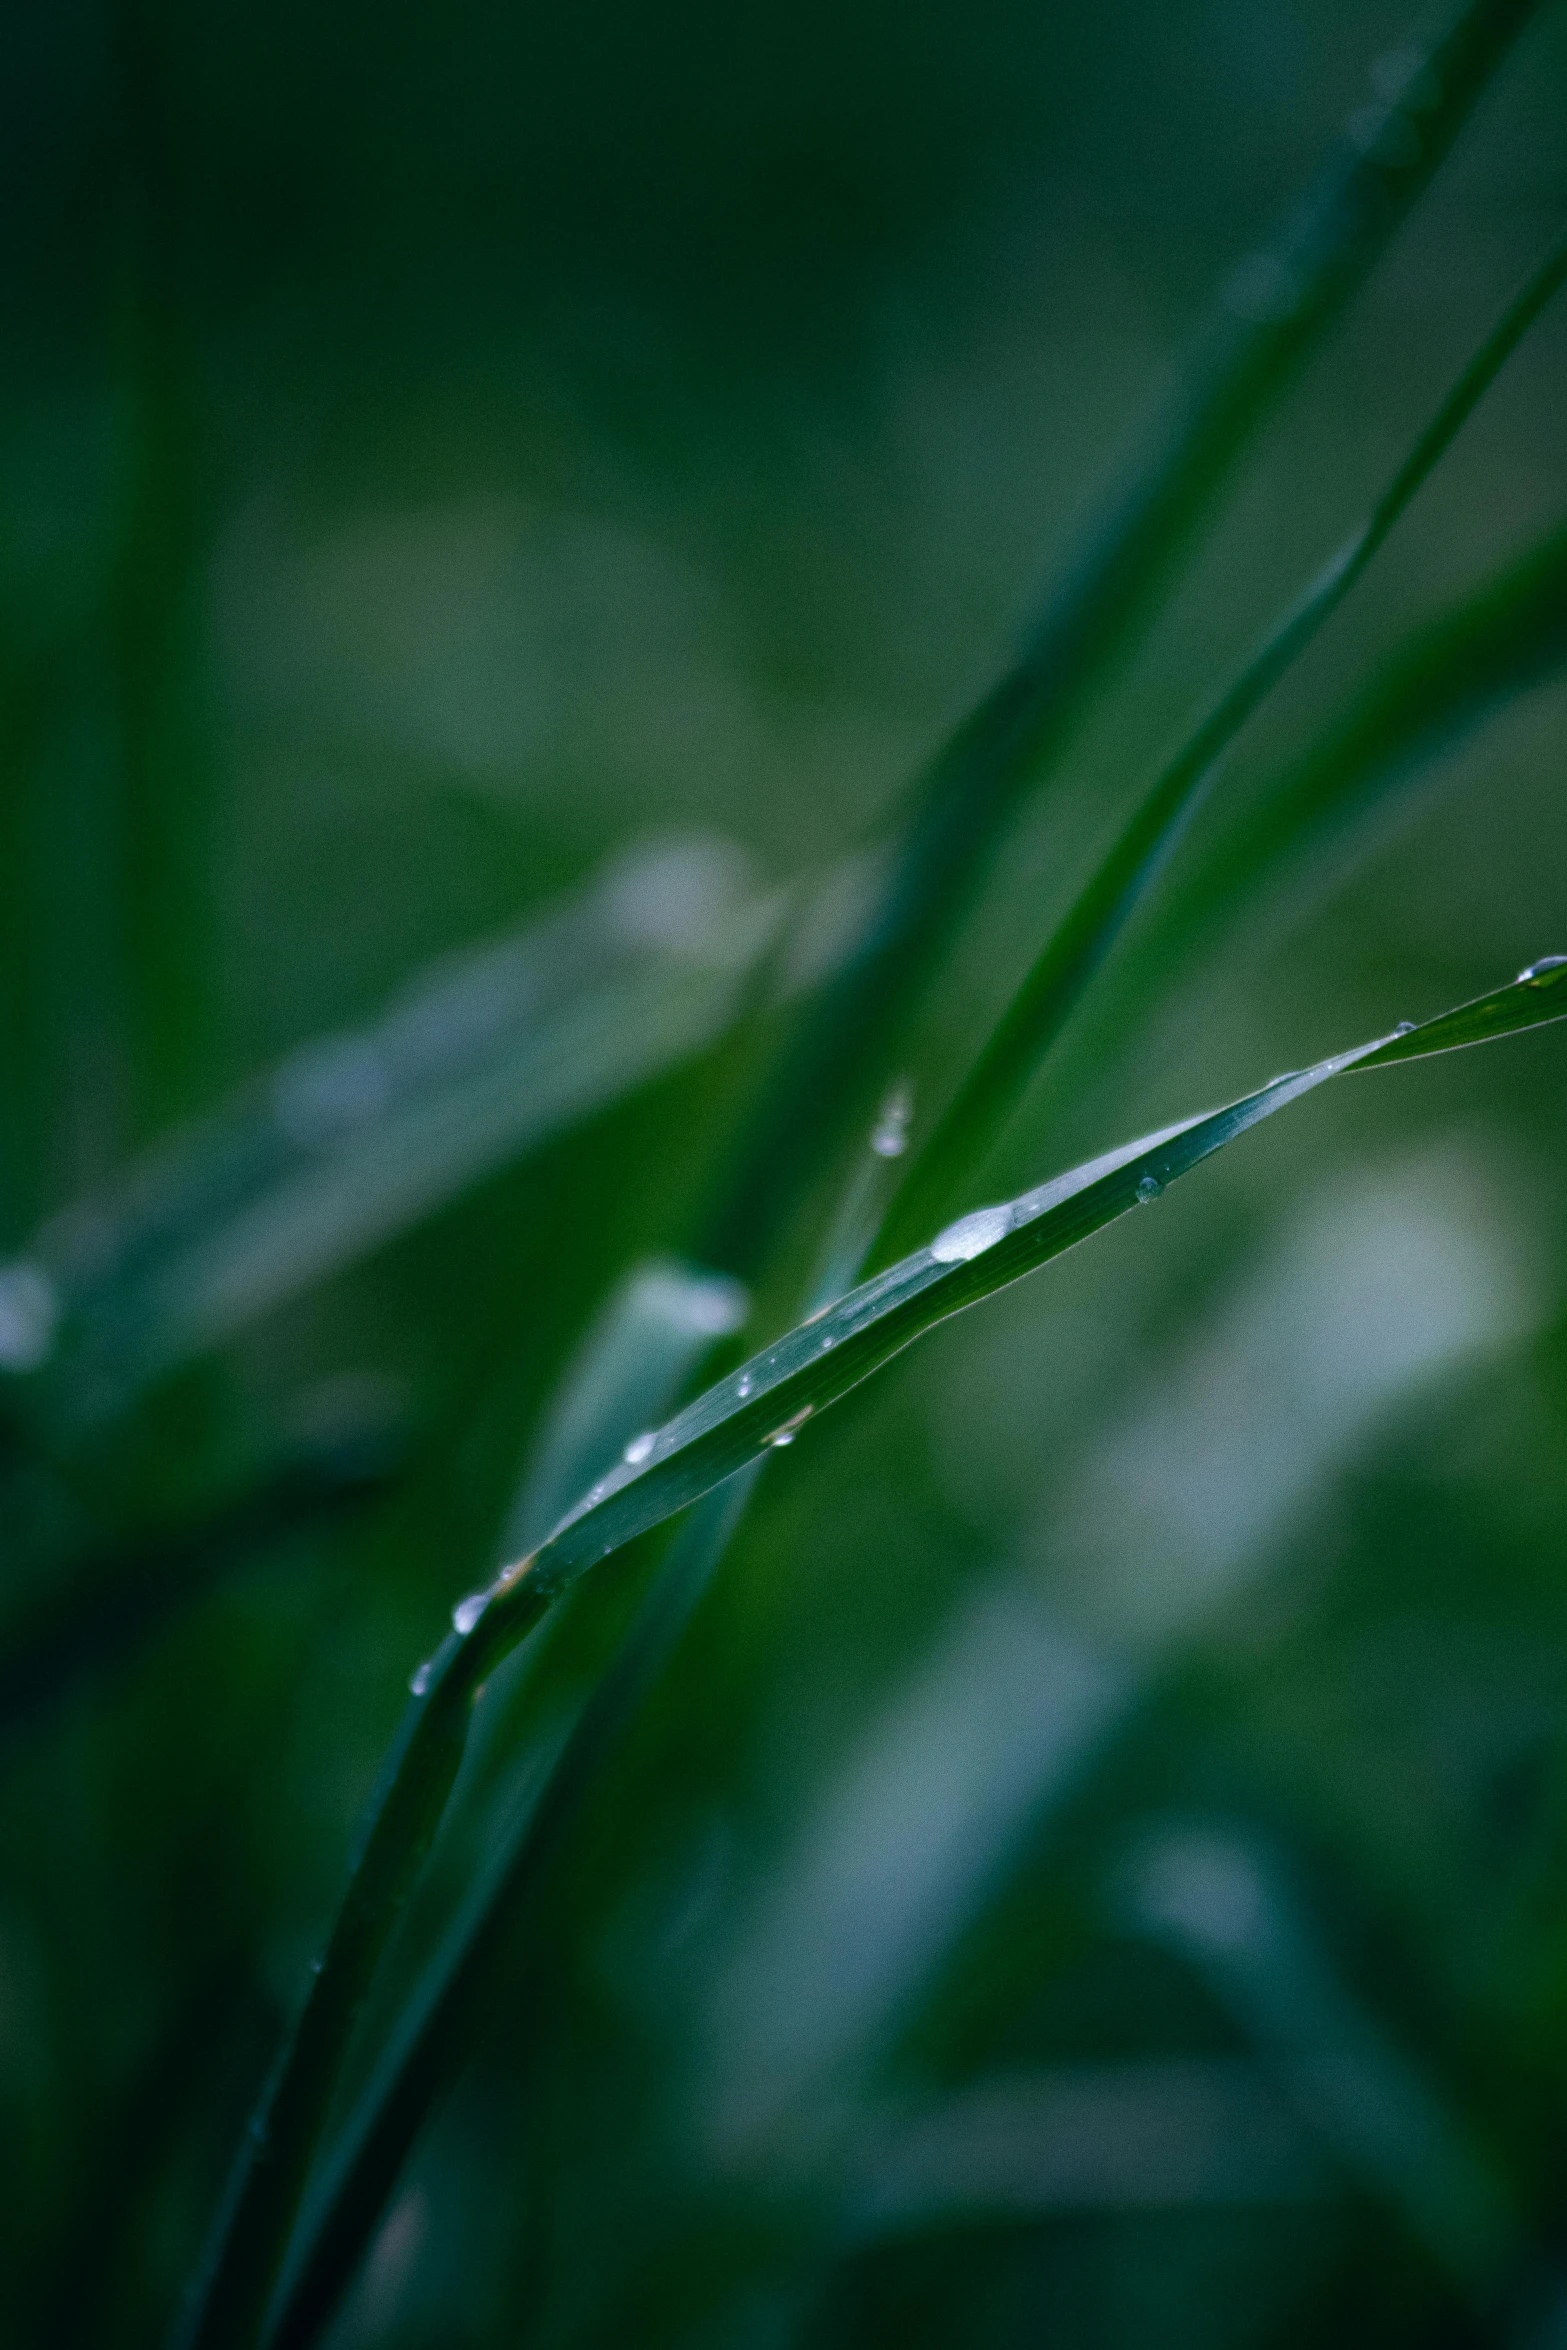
745	1383
714	1307
419	1678
1405	1028
639	1447
890	1137
827	1342
970	1236
1148	1189
468	1611
1537	974
791	1428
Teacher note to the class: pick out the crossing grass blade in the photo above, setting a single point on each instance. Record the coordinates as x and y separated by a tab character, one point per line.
1272	312
764	1403
984	1103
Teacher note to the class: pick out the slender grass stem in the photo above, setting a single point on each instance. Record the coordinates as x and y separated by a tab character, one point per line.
990	1093
1272	312
450	2013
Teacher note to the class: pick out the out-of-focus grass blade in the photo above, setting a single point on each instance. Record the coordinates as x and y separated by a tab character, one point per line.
1214	1897
1273	309
91	1614
1154	2134
993	1087
763	1404
1448	675
358	1135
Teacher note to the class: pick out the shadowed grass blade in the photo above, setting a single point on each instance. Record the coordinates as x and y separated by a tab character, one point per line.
990	1093
1272	310
764	1403
94	1613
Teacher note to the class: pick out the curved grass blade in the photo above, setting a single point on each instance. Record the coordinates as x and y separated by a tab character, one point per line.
764	1403
1272	311
358	1135
449	2013
990	1093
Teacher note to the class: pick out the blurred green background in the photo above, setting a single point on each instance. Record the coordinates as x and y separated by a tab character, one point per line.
1097	1867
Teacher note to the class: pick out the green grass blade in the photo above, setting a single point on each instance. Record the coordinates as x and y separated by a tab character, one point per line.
988	1096
1446	677
1272	312
763	1404
449	2013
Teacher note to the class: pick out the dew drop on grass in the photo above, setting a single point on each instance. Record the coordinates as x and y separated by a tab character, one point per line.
745	1383
791	1428
1405	1028
419	1678
1148	1189
468	1611
639	1447
971	1235
1536	974
891	1136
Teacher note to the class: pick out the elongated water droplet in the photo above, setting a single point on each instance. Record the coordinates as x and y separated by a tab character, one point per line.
791	1428
1148	1189
890	1137
1536	974
419	1678
468	1611
970	1236
639	1447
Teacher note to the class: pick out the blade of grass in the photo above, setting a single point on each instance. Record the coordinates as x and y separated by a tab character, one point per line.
449	2012
762	1404
1273	310
1446	677
988	1096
